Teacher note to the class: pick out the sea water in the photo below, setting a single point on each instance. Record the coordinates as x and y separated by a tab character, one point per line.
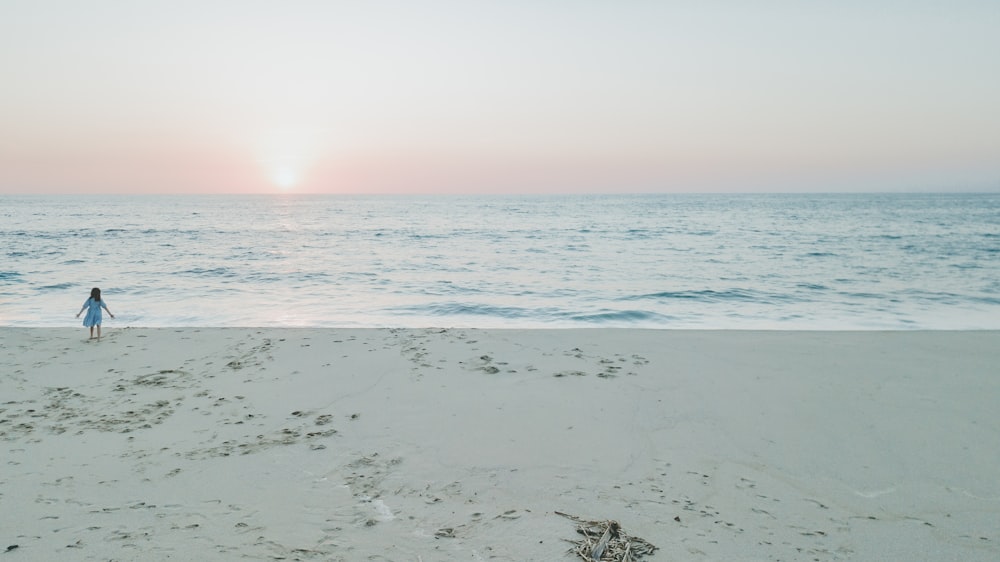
789	261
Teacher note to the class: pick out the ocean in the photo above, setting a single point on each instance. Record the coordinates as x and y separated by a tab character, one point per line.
718	261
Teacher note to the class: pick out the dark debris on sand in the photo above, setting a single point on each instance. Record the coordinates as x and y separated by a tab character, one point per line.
606	541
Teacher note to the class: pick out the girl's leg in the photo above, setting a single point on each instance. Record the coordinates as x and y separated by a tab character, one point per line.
91	332
98	331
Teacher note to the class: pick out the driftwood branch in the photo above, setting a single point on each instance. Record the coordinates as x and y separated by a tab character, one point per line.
595	554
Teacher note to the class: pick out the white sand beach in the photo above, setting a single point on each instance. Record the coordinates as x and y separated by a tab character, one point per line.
424	445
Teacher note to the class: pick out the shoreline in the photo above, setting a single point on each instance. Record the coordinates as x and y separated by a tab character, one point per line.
441	444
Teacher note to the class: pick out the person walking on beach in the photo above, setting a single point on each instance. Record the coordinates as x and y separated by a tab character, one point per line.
93	307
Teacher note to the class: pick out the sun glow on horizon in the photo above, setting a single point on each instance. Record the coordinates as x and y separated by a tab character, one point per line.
285	178
285	154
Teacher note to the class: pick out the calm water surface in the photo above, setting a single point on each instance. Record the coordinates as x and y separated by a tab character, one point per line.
870	261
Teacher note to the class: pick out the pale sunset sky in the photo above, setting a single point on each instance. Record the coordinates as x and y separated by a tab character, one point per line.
468	96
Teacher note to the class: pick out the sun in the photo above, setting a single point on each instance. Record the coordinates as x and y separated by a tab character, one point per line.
284	156
285	178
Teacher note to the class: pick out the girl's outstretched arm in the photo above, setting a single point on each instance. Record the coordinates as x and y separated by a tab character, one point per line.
82	309
106	308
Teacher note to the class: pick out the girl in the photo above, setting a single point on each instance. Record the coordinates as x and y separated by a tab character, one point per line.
93	307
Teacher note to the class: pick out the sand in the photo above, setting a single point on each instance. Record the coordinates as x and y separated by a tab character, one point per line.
421	445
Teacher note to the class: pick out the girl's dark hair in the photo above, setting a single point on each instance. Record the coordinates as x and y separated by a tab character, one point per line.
95	294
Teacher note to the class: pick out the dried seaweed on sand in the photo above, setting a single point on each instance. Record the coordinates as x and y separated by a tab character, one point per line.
606	541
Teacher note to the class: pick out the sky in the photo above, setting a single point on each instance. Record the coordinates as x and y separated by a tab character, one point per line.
469	96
